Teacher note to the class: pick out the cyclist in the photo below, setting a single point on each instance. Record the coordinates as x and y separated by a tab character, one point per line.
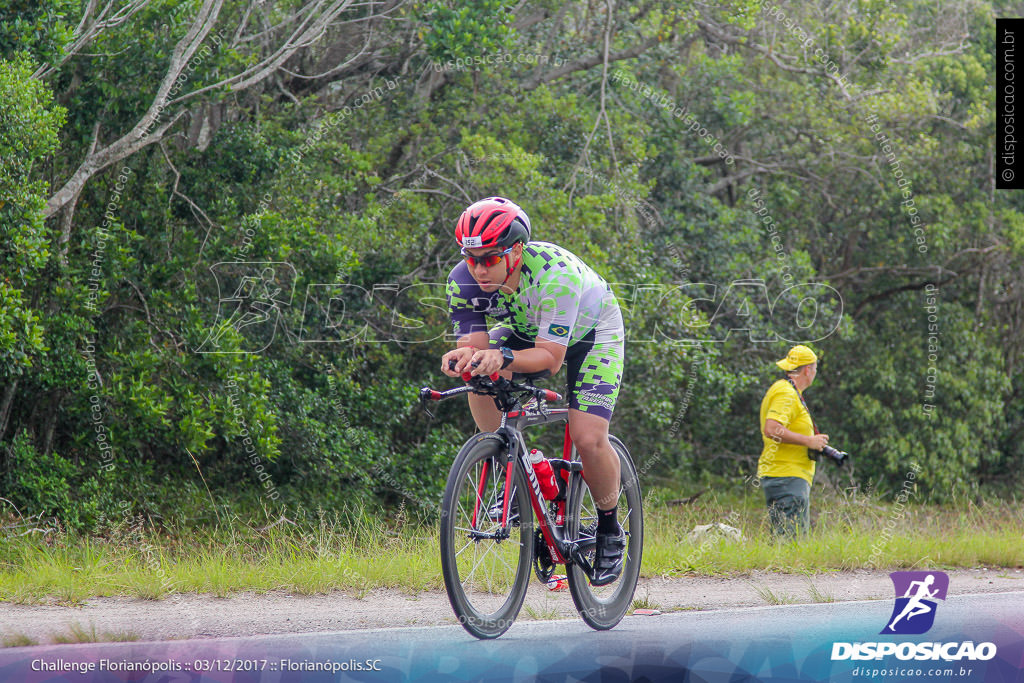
551	307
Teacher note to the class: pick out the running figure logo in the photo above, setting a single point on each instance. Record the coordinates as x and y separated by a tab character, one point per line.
914	612
252	310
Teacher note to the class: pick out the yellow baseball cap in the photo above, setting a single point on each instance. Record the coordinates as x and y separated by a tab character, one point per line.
797	356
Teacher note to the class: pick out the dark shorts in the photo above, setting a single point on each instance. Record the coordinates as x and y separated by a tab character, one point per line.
789	504
594	369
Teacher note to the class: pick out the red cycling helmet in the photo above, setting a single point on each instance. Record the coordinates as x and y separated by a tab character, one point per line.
492	222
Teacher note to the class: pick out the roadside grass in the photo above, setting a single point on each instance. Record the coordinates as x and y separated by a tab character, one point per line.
17	640
772	598
849	532
363	552
546	613
818	595
77	633
644	602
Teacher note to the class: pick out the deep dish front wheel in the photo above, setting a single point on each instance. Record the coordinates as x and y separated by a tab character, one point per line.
602	607
486	566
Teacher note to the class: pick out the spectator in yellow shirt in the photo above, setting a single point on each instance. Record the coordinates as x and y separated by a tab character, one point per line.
787	430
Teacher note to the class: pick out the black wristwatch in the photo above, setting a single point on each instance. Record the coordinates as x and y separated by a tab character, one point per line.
506	353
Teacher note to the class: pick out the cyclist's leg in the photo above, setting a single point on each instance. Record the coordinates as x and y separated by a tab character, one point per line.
595	370
485	414
589	433
594	373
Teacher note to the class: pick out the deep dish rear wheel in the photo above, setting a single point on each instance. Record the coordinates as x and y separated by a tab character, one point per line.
602	607
486	575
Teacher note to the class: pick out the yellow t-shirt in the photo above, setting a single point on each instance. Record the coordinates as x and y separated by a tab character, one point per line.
782	404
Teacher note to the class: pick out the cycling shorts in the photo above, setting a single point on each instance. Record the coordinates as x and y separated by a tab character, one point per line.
594	369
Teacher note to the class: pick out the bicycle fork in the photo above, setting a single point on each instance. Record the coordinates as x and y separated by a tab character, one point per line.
562	550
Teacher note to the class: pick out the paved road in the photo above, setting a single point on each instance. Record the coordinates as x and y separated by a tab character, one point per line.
783	643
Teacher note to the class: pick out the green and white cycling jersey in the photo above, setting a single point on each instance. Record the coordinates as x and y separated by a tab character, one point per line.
559	298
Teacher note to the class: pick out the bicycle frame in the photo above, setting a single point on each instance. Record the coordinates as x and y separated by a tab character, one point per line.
478	490
512	423
513	420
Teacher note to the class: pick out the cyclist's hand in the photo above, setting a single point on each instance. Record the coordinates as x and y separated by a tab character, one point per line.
818	441
461	356
488	362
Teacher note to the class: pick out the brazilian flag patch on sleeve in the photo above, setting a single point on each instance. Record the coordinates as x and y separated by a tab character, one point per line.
558	331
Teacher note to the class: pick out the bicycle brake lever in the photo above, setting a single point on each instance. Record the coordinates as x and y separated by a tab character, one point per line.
426	395
541	403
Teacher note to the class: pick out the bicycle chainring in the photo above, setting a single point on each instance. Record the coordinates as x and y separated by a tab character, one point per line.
543	566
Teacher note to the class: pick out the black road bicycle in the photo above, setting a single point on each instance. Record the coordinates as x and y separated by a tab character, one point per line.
488	539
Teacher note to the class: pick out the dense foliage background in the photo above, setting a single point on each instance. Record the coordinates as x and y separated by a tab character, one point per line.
708	159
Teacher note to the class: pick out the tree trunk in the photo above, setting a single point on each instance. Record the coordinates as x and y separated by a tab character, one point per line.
5	406
51	422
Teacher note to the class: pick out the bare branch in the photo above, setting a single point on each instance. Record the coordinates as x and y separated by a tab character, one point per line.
298	31
428	190
197	211
87	30
585	63
913	59
65	232
604	83
335	70
309	30
602	112
524	23
451	182
143	133
728	180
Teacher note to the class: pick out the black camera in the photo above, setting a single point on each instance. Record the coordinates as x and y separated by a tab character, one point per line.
838	457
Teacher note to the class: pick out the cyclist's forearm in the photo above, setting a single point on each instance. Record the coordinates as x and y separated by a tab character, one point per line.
533	360
477	340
